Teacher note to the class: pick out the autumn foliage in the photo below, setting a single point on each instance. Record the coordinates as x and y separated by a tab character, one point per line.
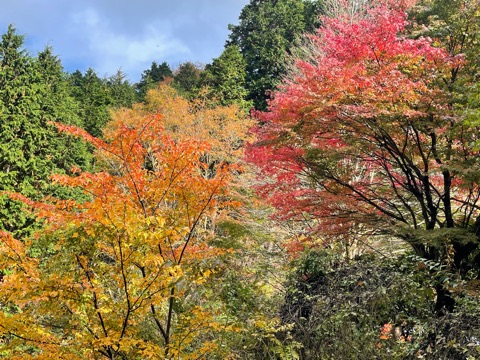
363	132
155	245
224	128
108	276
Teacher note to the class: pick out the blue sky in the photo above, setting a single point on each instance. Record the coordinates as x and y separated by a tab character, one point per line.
108	35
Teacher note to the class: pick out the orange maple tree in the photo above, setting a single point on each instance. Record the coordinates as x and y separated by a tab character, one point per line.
225	128
112	276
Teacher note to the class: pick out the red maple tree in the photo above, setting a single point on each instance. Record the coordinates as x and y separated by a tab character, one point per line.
363	134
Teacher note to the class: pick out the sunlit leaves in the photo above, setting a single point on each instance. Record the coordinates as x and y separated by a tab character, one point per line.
104	270
363	130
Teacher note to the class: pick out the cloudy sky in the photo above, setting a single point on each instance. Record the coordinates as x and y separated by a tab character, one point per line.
108	35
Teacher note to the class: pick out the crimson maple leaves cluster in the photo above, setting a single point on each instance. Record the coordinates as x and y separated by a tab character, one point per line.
364	132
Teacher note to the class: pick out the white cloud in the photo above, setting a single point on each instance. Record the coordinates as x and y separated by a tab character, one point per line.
112	50
88	17
110	34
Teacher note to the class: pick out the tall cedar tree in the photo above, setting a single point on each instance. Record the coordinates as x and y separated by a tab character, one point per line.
265	34
152	77
121	91
32	93
224	80
186	79
96	97
92	95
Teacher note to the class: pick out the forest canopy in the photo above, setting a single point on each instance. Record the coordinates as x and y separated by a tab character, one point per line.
312	193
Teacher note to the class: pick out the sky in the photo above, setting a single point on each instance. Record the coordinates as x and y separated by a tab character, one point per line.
126	35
